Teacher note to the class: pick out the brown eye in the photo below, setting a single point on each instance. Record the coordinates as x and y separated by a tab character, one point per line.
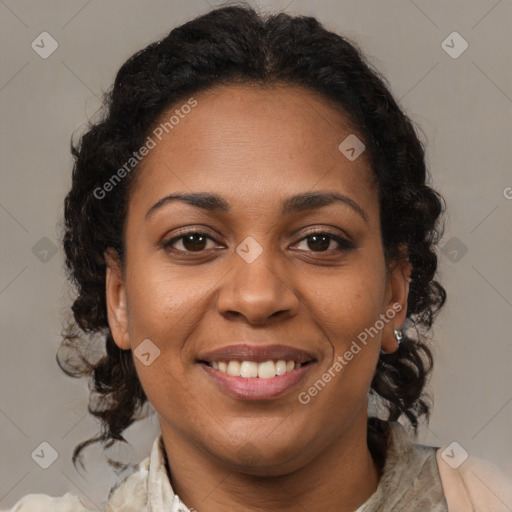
195	242
189	242
319	242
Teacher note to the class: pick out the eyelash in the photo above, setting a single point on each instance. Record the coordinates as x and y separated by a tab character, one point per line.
344	245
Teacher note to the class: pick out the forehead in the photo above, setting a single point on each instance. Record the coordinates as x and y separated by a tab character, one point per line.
246	141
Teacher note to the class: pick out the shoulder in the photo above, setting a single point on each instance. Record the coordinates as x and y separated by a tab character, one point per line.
129	494
409	479
44	503
472	484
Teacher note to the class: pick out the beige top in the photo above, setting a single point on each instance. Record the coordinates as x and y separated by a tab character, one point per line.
415	477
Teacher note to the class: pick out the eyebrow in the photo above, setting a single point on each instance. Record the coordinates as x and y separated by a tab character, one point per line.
294	204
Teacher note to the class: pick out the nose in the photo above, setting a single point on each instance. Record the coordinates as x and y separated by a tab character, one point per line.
257	292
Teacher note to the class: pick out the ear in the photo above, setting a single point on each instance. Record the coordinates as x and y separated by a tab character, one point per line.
397	292
116	300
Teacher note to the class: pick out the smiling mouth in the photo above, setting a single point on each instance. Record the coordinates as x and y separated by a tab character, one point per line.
254	369
256	381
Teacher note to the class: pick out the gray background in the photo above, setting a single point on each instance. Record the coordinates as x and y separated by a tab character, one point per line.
462	104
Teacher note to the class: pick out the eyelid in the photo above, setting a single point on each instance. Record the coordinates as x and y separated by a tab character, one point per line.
328	230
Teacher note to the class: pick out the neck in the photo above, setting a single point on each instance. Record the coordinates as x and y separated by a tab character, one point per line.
342	477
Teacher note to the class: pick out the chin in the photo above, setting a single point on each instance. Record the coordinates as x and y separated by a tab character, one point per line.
261	458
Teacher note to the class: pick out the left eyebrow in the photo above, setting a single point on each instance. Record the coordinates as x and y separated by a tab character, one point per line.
315	200
297	203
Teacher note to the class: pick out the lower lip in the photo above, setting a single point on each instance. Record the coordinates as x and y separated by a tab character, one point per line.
257	388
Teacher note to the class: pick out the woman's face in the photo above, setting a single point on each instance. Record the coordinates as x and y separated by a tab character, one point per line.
254	283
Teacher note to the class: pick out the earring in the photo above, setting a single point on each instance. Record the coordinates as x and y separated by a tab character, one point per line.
398	337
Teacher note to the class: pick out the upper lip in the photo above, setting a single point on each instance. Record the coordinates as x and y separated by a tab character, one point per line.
258	353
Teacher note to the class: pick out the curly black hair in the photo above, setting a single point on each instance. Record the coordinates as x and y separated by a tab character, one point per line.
234	45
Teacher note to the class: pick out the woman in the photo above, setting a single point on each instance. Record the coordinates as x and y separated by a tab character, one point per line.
251	230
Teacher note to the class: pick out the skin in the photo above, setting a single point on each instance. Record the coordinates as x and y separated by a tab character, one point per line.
255	147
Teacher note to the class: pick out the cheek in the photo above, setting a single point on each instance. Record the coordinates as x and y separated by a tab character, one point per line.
345	308
166	308
162	303
348	303
157	311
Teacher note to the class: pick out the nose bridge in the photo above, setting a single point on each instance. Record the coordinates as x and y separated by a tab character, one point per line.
256	287
258	273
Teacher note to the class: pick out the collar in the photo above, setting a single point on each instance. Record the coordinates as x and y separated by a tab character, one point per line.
147	488
161	497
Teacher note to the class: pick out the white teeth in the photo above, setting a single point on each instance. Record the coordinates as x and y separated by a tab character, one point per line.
266	370
252	369
280	367
249	369
233	368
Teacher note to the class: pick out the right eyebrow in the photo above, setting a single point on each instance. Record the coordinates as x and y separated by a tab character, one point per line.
209	202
